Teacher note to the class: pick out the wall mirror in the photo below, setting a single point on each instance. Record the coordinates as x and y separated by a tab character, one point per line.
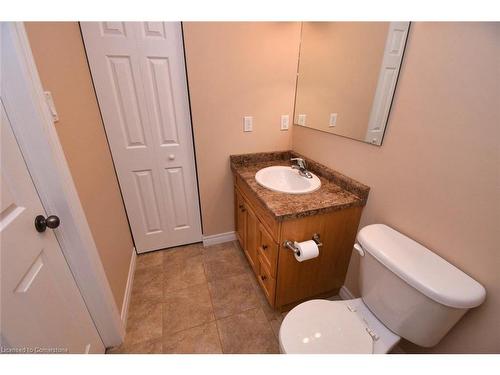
347	76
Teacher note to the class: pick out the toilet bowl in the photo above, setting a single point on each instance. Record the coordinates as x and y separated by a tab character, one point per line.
340	327
406	291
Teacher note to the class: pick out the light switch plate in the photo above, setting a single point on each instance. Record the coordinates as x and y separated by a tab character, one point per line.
247	123
333	120
302	120
285	121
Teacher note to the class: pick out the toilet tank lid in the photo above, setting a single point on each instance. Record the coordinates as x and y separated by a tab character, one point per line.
421	268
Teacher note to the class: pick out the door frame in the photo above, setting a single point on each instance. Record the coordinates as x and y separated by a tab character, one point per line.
44	157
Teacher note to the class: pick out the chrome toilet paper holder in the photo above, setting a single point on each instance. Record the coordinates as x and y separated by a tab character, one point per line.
291	244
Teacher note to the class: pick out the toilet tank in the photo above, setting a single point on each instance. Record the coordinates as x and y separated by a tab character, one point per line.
414	292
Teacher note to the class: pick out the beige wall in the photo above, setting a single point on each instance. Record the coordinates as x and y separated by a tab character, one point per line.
436	177
61	62
237	69
338	73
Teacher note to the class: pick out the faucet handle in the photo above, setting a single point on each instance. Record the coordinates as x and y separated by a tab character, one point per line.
300	162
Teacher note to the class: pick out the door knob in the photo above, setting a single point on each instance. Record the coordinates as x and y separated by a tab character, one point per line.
41	223
171	157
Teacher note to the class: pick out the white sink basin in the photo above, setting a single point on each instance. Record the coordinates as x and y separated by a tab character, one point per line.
286	180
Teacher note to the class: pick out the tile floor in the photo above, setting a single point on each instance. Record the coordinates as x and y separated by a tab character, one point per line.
192	299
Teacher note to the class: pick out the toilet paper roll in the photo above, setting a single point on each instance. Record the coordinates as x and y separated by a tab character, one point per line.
307	250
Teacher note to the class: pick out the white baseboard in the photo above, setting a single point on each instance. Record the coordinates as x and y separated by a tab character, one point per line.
345	293
215	239
128	289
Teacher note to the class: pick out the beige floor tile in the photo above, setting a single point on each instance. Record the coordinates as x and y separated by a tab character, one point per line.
224	261
173	307
214	250
275	326
264	304
144	322
148	284
181	253
183	274
187	308
247	332
233	295
145	347
197	340
150	259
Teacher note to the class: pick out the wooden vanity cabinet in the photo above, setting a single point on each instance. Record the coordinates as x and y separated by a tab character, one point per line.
285	281
246	229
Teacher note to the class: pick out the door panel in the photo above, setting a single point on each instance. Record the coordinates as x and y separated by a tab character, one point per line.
154	29
139	73
149	202
113	28
162	106
126	101
41	306
175	178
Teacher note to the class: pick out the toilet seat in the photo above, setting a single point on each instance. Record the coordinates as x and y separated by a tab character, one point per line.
321	327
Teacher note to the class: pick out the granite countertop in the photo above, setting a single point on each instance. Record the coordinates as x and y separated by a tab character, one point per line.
337	191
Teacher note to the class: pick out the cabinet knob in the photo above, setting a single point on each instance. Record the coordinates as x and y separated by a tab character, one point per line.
263	278
264	247
242	208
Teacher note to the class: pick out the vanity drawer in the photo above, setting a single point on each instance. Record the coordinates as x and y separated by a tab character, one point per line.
268	250
267	282
262	213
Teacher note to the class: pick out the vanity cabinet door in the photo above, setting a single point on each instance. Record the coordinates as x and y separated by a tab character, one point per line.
251	238
241	218
268	250
267	282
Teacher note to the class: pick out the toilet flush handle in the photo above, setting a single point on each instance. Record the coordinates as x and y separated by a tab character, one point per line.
359	249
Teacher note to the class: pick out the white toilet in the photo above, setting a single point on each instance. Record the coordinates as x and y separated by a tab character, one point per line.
406	291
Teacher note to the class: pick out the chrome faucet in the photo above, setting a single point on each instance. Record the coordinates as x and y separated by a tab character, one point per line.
301	166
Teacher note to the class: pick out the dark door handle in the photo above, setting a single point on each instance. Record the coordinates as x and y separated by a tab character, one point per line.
41	223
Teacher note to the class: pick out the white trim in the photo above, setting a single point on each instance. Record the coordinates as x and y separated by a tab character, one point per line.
215	239
128	289
345	293
44	157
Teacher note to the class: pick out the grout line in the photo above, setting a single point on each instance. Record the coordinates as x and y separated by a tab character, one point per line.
187	329
212	303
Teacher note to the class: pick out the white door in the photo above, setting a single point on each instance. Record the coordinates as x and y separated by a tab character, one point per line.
139	74
41	307
387	79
